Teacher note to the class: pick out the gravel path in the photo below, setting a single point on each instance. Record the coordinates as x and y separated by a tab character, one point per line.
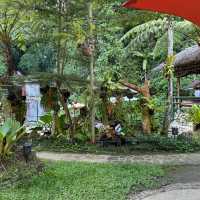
171	159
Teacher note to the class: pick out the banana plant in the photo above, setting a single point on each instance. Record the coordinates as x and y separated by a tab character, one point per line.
10	132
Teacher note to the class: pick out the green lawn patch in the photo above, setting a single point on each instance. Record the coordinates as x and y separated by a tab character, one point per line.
74	181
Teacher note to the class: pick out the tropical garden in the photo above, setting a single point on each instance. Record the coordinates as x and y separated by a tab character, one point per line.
92	77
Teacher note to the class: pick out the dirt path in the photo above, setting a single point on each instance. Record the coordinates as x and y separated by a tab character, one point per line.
171	159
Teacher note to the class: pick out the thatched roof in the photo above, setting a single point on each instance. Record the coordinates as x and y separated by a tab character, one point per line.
187	62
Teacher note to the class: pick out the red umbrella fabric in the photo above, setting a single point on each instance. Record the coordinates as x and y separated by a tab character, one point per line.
188	9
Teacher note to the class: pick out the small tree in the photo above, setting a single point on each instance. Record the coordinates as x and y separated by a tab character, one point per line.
145	92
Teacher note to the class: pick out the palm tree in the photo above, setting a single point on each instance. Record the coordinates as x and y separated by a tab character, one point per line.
8	34
155	33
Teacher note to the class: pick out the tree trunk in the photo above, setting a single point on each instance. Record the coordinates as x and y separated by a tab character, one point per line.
169	107
92	108
59	2
146	124
147	127
9	60
61	55
66	110
54	125
145	91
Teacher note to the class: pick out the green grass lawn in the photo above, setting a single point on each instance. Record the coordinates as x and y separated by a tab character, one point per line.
74	181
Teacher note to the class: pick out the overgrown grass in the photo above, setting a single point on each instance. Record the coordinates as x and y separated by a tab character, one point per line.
14	169
81	181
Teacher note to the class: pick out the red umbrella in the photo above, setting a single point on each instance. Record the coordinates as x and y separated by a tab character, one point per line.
188	9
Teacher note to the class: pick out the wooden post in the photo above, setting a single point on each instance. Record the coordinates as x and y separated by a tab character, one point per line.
170	53
178	86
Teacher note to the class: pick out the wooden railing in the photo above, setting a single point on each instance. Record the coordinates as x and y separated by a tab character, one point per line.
185	101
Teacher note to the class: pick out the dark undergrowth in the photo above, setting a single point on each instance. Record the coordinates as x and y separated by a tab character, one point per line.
137	145
14	169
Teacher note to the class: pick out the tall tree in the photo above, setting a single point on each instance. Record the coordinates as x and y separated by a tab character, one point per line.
9	33
54	21
169	108
91	41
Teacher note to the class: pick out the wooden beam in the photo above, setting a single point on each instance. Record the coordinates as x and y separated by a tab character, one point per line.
178	87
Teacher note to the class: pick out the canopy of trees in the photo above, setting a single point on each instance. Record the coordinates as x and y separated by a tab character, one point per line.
90	40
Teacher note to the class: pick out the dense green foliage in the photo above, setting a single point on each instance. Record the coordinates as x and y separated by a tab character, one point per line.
55	37
74	181
114	27
137	145
194	114
10	132
103	47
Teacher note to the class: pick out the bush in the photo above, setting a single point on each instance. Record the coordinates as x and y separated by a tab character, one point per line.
138	144
10	132
162	143
194	114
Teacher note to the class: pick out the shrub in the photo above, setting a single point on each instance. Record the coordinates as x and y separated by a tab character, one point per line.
194	114
10	132
162	143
